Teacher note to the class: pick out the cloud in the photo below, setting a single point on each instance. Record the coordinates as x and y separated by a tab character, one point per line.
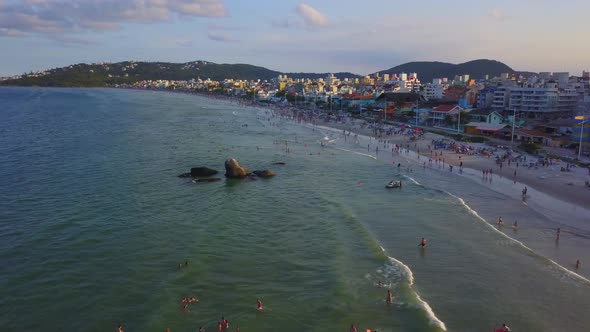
221	37
19	18
311	16
497	14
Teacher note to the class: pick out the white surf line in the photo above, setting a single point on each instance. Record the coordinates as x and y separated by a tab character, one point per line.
432	317
412	179
563	268
359	153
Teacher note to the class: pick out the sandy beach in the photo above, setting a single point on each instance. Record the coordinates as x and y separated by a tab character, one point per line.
565	186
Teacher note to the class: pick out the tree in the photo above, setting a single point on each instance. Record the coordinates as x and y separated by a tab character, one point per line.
465	117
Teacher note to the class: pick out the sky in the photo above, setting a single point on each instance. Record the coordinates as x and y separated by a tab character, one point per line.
293	36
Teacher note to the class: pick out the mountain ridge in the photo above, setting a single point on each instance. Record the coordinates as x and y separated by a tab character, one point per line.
427	70
104	74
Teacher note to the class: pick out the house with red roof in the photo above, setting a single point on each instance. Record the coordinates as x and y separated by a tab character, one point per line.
438	114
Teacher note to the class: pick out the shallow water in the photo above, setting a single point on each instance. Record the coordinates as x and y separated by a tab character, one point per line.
94	221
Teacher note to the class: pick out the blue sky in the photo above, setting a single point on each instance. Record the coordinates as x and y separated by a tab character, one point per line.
288	35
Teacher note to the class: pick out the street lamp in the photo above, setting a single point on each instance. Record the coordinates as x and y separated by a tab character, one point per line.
582	123
513	121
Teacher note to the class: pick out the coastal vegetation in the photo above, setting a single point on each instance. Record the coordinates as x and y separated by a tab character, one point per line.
104	74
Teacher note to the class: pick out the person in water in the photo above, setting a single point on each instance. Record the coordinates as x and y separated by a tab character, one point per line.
389	299
558	232
505	328
422	243
577	264
120	328
201	329
259	305
224	322
219	327
500	221
379	284
515	224
352	328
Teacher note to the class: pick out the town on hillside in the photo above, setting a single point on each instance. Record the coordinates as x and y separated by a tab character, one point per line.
544	111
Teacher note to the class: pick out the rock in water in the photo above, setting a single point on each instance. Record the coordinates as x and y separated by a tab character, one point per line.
279	163
185	175
234	170
264	173
202	171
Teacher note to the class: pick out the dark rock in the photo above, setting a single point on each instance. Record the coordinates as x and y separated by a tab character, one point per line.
264	173
202	171
206	180
234	170
279	163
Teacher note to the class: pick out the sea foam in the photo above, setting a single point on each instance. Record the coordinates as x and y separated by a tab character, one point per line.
423	304
560	267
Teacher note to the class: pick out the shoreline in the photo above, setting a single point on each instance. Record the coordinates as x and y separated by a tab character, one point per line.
566	187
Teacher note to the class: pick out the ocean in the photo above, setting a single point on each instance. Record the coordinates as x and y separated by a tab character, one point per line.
94	222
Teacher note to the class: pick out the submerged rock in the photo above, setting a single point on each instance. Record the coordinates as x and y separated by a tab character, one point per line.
202	171
264	173
279	163
234	170
206	180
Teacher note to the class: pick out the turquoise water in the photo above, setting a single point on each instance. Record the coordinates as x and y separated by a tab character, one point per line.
94	222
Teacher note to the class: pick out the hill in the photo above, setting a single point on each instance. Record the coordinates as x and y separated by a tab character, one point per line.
96	75
427	70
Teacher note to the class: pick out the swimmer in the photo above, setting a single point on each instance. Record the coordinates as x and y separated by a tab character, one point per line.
505	328
201	329
379	284
389	299
224	323
557	233
259	305
515	225
577	264
352	328
422	243
237	328
186	263
120	329
219	327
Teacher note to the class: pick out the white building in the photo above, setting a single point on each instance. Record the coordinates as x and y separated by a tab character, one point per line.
538	101
434	91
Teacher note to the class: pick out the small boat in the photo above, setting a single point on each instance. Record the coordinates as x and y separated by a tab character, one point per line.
394	184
